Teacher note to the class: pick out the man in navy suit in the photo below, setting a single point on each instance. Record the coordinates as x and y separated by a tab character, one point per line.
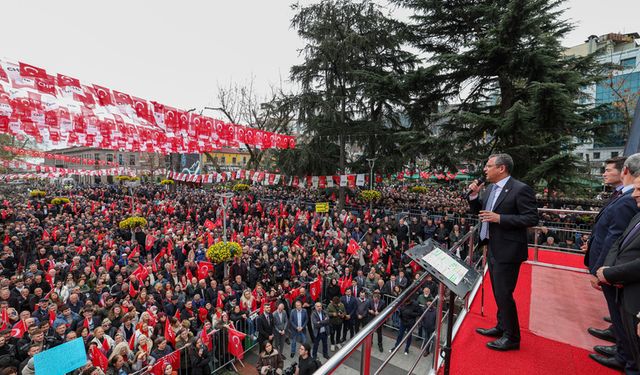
350	307
610	223
622	269
298	323
507	208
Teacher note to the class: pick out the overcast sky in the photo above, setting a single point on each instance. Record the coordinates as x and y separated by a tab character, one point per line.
178	53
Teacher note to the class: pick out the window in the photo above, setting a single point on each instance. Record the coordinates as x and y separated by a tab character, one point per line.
596	155
233	161
221	160
580	155
244	160
614	154
629	63
96	157
120	159
132	160
110	158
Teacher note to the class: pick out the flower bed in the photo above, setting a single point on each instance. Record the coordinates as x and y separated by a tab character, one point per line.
223	251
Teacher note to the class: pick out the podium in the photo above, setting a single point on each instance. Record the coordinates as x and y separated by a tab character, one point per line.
451	271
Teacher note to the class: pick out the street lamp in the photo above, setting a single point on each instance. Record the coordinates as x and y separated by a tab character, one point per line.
371	162
224	200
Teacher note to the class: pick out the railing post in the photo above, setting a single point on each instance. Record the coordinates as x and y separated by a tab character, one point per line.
365	357
471	263
436	343
536	238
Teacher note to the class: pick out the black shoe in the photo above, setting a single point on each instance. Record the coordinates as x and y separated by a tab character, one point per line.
503	344
292	355
607	351
380	348
287	341
608	362
326	356
607	319
491	332
602	334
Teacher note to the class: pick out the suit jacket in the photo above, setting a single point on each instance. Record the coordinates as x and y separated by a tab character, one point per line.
372	305
351	307
317	323
280	323
293	319
516	205
611	222
264	327
624	268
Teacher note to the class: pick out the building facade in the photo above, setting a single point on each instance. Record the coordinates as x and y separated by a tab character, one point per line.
138	161
621	89
226	159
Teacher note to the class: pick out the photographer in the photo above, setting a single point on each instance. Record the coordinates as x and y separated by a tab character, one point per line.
269	361
306	364
337	314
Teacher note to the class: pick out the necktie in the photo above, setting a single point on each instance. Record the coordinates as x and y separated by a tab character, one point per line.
347	300
631	235
484	229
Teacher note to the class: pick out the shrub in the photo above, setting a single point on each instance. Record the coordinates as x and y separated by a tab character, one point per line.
223	251
167	182
419	189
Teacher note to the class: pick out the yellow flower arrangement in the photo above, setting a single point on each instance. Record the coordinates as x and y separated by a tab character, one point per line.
419	189
133	222
123	178
60	200
167	182
37	193
223	251
240	187
370	195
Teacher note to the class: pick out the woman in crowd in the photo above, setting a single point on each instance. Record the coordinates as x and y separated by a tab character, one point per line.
269	360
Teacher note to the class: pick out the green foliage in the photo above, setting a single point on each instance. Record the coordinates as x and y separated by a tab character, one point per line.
60	200
133	222
352	87
223	251
520	94
370	195
37	193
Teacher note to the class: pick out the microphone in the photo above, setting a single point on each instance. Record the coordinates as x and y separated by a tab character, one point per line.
481	180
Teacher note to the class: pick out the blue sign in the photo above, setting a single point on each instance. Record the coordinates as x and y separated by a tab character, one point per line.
61	359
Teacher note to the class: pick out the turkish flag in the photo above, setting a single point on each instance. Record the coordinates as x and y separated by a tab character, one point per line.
209	224
46	85
207	339
104	95
415	267
27	70
383	243
65	81
219	301
150	240
344	283
45	235
141	273
19	329
353	247
389	265
122	98
296	242
172	359
169	334
204	268
132	340
98	358
315	288
375	256
235	343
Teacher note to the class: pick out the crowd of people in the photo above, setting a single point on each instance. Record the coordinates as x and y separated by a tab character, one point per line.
69	271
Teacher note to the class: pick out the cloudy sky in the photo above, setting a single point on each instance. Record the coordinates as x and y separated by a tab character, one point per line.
179	53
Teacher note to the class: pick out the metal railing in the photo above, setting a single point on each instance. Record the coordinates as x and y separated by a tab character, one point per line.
364	338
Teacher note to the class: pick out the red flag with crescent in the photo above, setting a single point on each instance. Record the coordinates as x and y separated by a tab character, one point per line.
235	343
204	268
98	358
352	248
315	288
172	359
169	334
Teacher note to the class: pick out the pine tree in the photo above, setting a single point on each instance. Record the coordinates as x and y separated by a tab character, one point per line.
509	86
352	88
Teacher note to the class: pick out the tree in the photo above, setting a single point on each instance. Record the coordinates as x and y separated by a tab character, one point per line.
509	86
240	105
352	86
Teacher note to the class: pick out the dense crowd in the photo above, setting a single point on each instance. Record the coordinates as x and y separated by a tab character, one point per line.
68	271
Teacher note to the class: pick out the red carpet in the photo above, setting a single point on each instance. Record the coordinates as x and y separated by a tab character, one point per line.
538	355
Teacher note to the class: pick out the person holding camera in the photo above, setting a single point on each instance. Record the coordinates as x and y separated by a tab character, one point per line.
337	315
307	365
269	361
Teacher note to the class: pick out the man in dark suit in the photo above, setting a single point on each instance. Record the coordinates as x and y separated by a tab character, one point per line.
506	210
611	221
350	307
265	325
622	269
376	305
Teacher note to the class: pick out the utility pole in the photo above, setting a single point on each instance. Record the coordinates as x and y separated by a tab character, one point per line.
372	162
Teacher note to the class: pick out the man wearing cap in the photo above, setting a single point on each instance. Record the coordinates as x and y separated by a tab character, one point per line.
42	312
